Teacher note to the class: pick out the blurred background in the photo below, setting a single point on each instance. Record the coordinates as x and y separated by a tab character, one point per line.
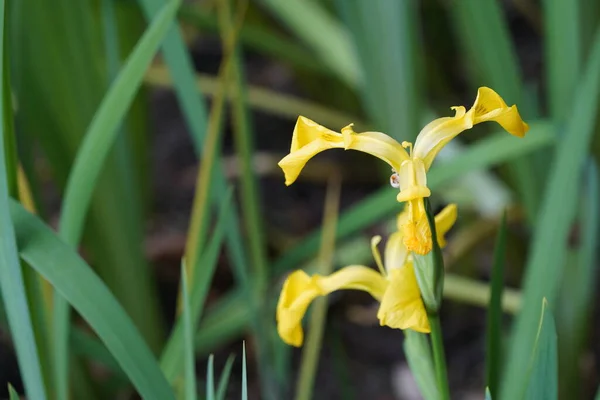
217	109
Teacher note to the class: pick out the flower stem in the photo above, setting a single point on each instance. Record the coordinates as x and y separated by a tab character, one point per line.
439	357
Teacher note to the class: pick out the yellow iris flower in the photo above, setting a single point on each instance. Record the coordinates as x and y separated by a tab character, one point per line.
409	168
394	286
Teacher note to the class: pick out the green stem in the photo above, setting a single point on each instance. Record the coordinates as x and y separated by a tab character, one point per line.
439	358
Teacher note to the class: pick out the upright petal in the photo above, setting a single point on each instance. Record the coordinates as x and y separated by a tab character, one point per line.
489	106
438	133
308	140
299	290
444	220
402	307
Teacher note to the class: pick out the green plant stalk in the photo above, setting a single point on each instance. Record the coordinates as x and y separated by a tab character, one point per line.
312	349
439	357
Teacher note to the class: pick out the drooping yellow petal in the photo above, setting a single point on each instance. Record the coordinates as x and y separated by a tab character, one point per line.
444	221
396	253
299	290
310	138
488	106
402	306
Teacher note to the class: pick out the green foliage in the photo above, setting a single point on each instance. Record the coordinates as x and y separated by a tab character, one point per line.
72	81
542	379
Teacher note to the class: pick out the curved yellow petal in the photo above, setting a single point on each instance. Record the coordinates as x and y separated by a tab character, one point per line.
438	133
489	106
299	290
377	144
308	140
444	221
402	306
396	253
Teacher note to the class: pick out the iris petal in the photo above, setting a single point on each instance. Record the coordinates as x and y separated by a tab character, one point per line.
488	106
444	220
310	138
401	306
299	290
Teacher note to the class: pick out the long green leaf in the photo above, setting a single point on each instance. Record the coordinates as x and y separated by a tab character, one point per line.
563	54
420	361
542	379
322	33
493	358
182	71
576	301
174	351
384	35
486	153
224	379
12	393
82	288
11	277
210	378
484	32
88	164
548	252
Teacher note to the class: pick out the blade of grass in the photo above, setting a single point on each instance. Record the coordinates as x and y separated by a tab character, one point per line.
563	54
210	379
98	141
574	310
484	32
312	348
493	358
243	141
486	153
180	67
384	37
188	342
174	352
542	377
326	37
12	393
420	361
11	277
224	379
548	251
244	374
82	288
56	102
